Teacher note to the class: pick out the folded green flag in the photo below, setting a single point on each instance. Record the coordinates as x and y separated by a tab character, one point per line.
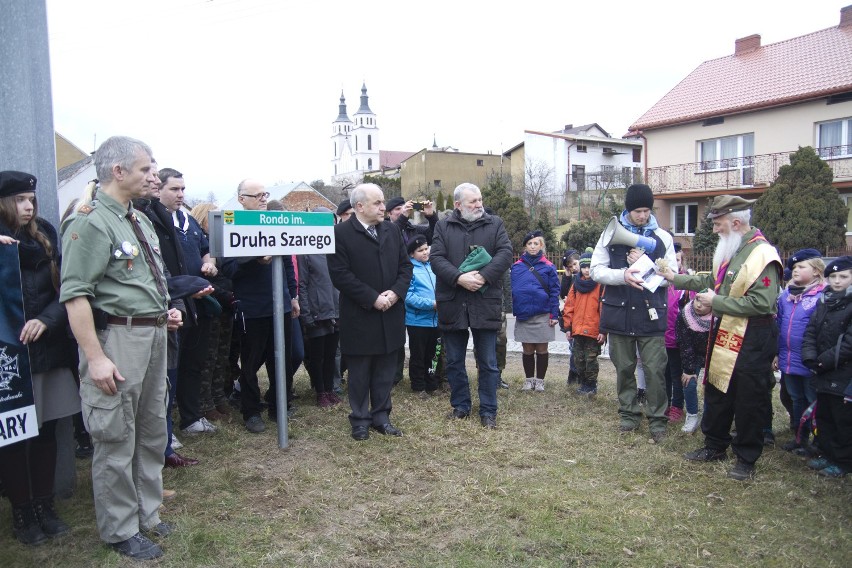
476	259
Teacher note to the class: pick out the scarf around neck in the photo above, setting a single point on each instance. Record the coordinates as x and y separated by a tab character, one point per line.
701	324
644	230
584	285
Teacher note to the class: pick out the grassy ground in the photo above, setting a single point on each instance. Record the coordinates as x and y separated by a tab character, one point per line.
555	485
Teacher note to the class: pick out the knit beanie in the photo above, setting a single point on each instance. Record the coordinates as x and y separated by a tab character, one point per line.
586	257
638	196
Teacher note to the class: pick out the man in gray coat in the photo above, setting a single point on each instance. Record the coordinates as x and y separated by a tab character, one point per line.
471	299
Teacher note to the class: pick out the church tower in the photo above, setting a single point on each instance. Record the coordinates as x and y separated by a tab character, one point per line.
365	144
342	161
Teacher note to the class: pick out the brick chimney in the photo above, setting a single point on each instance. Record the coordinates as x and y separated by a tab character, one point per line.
846	16
746	44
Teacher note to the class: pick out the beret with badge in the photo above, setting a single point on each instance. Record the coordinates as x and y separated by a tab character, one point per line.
839	264
801	256
531	235
13	183
725	204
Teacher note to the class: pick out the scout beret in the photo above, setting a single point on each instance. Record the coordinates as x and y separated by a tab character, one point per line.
839	264
13	183
344	206
801	256
416	243
724	204
394	202
531	235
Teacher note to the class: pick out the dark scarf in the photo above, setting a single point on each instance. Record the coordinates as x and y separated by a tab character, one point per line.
30	251
584	285
532	259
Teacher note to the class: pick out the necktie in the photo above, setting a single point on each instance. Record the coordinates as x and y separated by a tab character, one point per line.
372	230
148	253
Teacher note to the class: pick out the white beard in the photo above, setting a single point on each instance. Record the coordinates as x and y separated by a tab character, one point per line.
471	216
726	248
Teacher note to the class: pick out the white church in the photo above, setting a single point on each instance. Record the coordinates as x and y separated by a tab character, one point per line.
356	142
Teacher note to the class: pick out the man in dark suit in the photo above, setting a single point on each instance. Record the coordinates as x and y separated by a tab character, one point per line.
372	271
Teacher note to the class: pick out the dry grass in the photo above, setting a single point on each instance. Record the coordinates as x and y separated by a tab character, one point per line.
555	485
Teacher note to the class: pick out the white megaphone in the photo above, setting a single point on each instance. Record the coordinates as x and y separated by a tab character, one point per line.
615	234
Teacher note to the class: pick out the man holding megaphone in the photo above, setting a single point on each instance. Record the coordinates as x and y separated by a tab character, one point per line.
634	316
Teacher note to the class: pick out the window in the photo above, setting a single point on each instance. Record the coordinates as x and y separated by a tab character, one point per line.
356	164
684	219
626	176
607	174
578	176
480	162
369	141
726	153
437	183
335	149
356	143
370	164
835	138
637	154
581	147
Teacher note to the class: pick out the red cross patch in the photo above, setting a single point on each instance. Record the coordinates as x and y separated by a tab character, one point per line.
766	281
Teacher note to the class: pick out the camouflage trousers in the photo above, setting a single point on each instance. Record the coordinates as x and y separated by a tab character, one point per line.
217	366
586	352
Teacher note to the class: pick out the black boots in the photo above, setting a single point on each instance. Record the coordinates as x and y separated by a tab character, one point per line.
35	521
51	524
25	525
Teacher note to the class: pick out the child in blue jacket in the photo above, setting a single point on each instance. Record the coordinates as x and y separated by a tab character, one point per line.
421	319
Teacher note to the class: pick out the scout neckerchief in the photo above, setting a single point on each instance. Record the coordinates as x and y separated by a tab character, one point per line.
732	329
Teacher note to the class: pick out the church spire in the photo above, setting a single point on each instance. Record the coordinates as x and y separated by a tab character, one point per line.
364	106
342	116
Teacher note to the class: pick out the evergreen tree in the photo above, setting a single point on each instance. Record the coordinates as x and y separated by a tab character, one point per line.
546	227
705	239
802	209
584	233
439	201
495	195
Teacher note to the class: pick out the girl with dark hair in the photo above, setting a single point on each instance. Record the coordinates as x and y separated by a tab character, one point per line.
27	467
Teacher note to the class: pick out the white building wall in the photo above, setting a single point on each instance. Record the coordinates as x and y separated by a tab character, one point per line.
775	130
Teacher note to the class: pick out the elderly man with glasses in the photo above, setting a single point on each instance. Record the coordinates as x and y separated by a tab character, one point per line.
253	288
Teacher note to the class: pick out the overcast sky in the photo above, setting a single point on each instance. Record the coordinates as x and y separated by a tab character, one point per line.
228	89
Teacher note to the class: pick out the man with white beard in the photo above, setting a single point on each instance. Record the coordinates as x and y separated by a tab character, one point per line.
742	289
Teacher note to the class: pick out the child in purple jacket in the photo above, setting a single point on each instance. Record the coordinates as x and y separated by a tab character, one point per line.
796	305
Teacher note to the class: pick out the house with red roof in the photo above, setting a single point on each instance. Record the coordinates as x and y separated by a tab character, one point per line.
730	125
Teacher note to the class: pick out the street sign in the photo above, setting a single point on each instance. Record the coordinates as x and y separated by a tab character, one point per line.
270	233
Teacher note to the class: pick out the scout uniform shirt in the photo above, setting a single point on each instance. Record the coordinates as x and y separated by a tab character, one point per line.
103	260
759	300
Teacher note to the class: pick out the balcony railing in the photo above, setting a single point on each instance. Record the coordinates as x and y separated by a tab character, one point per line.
740	173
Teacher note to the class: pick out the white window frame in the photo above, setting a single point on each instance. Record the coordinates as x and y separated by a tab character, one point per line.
717	163
845	147
686	207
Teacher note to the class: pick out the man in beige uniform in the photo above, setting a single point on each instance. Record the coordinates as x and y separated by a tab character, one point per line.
115	292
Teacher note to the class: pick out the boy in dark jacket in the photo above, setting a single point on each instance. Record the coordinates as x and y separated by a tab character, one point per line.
827	351
581	318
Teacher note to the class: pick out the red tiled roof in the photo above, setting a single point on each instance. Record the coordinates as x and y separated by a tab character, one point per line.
393	158
802	68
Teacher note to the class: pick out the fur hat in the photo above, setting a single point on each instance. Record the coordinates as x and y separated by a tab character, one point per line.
839	264
415	244
638	196
393	203
13	183
586	257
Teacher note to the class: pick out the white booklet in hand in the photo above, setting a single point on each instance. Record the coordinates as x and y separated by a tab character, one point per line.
648	273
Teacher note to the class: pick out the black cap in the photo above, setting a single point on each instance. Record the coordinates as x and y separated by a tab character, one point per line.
394	202
638	196
416	243
839	264
13	183
344	206
531	235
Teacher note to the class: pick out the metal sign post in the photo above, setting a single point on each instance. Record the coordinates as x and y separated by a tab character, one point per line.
276	234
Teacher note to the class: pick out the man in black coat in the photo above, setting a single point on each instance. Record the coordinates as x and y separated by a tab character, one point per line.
472	299
371	269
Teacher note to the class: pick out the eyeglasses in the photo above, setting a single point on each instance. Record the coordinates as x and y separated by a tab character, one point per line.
263	194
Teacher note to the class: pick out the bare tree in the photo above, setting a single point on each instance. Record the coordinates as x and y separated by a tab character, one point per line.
538	185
